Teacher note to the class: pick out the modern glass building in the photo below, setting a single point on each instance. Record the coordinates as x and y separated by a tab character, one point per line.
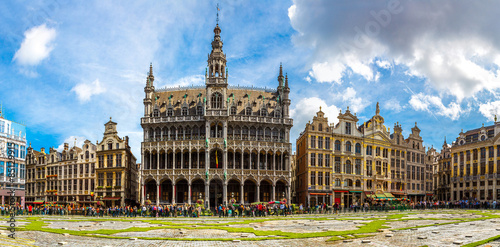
12	138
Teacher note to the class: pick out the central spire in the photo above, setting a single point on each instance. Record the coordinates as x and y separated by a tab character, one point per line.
217	58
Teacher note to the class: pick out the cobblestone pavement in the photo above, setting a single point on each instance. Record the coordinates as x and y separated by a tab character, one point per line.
413	228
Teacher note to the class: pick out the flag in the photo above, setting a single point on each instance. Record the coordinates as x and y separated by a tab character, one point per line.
216	160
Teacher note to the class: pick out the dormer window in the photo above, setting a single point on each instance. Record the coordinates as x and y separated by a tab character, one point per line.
263	112
277	113
156	113
184	111
199	111
233	110
320	127
110	146
170	112
248	111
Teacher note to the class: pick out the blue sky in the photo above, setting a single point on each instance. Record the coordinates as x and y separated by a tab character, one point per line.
66	67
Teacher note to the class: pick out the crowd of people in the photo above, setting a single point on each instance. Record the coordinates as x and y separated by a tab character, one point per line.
257	210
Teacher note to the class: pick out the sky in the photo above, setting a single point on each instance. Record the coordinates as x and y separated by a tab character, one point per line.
67	67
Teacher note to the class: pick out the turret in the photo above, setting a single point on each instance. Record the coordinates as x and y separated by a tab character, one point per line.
280	78
286	99
149	92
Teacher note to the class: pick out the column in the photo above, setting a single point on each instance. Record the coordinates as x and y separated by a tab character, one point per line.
258	192
173	159
241	194
242	155
274	162
274	193
267	165
250	165
288	194
207	198
224	193
198	159
189	165
308	199
157	160
143	191
189	192
173	192
258	161
157	194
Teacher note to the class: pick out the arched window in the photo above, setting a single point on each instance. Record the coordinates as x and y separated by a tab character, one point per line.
277	113
86	154
347	182
358	183
348	146
320	127
337	182
216	101
358	148
348	167
337	145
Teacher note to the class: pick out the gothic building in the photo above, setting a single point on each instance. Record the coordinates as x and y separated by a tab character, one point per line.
217	143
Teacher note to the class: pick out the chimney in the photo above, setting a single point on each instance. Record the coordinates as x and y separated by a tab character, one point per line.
66	146
42	150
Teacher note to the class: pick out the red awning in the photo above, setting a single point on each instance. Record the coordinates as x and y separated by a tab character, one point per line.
429	194
340	191
317	194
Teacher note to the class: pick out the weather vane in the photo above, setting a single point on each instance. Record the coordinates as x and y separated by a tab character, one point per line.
218	13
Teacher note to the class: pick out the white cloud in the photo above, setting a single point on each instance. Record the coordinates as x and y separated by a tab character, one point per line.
36	46
450	44
307	108
394	105
71	142
383	64
350	97
435	106
85	90
490	110
191	80
327	72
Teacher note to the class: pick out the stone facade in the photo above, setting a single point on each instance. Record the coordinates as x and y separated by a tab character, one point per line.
70	176
345	162
475	169
216	143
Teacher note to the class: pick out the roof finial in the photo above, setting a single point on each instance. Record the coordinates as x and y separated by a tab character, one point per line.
377	111
495	118
286	80
218	13
150	69
1	111
319	108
